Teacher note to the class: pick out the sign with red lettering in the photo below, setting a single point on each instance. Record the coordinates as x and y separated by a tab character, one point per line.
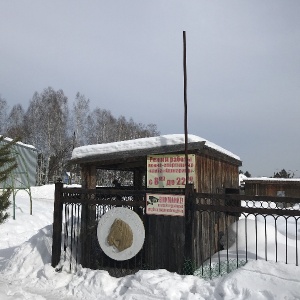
168	205
168	171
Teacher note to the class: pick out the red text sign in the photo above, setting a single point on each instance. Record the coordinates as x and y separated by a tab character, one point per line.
169	171
168	205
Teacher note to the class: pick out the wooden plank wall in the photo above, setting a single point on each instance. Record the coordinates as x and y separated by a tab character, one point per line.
166	236
165	242
265	188
214	175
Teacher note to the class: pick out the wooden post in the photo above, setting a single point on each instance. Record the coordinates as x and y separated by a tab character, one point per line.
57	224
189	227
88	175
185	111
88	214
138	185
85	253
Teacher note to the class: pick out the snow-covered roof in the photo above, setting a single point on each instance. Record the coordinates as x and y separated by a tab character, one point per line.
242	177
270	179
144	143
7	139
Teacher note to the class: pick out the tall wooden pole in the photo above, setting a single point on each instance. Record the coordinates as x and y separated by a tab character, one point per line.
189	213
185	111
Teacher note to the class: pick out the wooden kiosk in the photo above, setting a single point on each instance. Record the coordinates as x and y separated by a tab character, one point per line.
157	168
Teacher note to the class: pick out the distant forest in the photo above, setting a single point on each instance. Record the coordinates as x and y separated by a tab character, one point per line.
54	128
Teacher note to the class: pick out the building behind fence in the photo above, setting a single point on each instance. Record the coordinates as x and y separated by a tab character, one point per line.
24	176
281	187
200	239
77	244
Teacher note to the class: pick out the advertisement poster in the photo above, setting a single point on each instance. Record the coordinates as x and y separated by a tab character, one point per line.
167	205
168	171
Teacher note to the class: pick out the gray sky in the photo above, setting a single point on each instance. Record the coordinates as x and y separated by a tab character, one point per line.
243	63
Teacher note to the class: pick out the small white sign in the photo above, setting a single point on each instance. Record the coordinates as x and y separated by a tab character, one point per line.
168	205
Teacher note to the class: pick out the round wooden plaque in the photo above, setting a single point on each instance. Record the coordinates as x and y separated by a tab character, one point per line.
130	218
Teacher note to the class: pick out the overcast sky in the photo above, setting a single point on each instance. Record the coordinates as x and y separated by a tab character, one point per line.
243	64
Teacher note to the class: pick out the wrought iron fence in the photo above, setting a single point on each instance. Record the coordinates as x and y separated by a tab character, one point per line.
222	232
76	215
265	228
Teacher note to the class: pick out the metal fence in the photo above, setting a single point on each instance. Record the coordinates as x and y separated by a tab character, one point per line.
267	228
223	231
76	215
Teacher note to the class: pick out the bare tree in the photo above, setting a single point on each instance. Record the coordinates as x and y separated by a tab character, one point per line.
55	113
47	128
3	116
152	130
123	129
15	122
80	115
32	123
101	127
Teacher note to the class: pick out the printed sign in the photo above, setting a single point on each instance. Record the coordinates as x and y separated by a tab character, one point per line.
169	171
168	205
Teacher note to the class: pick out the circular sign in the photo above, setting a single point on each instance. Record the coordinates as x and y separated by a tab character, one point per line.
121	233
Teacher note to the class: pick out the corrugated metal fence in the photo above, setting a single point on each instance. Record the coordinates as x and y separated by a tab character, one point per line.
24	175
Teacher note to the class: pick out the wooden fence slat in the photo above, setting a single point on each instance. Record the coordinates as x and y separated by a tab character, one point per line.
57	224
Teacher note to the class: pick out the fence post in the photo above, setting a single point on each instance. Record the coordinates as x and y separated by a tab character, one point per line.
189	226
85	246
57	224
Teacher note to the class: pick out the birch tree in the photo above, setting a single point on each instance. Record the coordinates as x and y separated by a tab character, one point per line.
80	115
55	113
101	127
32	122
47	121
3	116
15	122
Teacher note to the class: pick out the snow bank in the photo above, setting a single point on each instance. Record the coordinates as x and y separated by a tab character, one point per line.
249	239
30	276
29	258
260	280
26	273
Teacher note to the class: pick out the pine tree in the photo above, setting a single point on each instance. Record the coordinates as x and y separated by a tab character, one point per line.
283	174
247	174
7	165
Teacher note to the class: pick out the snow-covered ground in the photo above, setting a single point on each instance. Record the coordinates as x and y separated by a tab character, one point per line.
26	272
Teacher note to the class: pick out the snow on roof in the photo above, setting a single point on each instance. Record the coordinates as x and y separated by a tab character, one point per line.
272	179
19	143
242	177
144	143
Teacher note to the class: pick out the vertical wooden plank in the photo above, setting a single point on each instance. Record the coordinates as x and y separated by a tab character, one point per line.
57	224
83	235
185	110
165	243
88	175
138	185
88	214
189	223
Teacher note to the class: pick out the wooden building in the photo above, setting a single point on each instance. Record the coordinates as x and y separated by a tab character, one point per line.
216	168
167	238
264	186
